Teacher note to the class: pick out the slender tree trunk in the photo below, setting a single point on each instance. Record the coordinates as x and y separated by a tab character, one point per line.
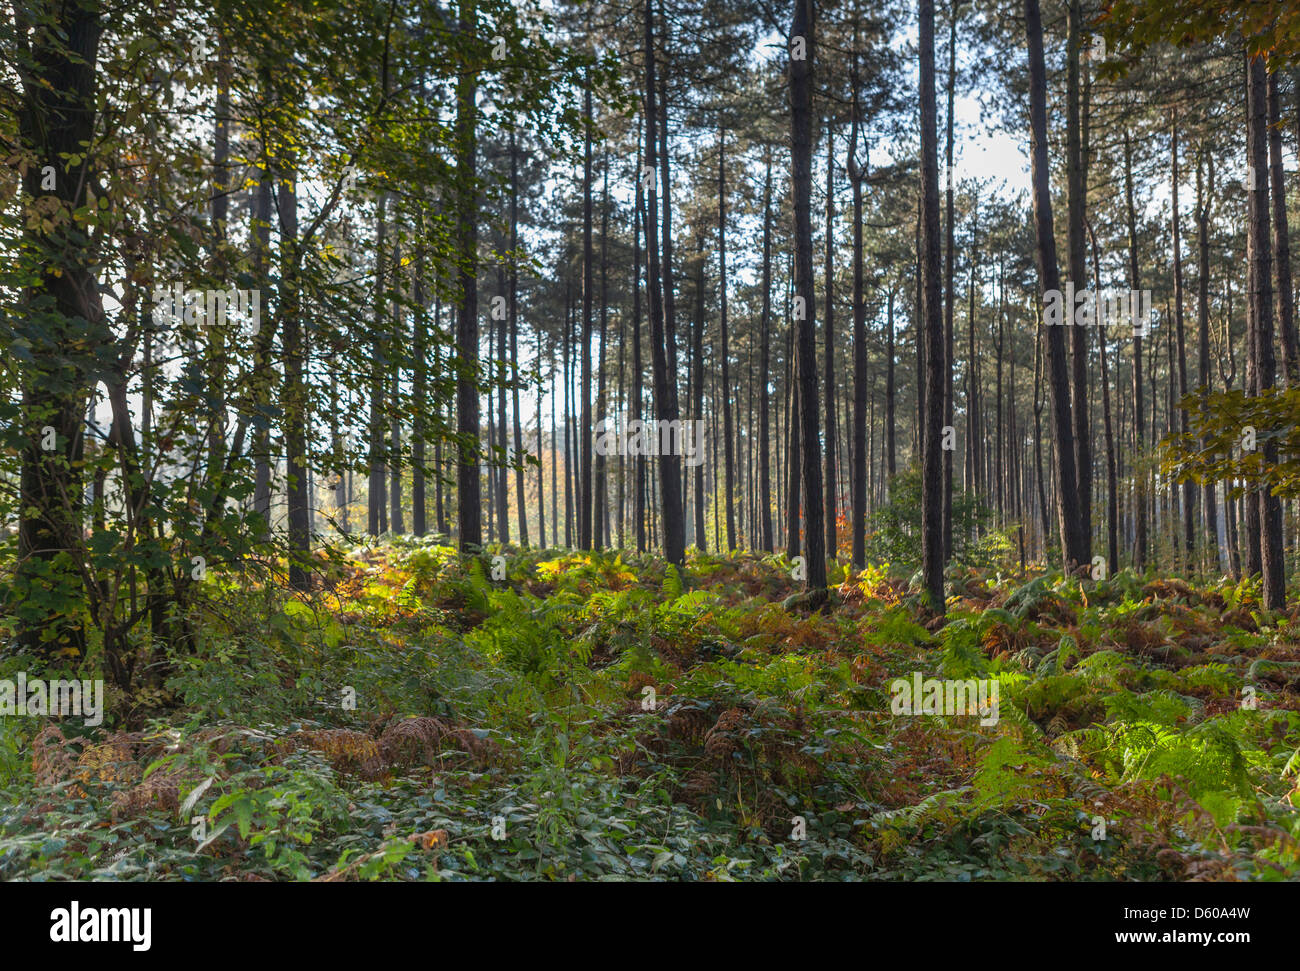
294	399
639	470
1270	506
662	331
584	489
1189	489
1135	283
1045	523
1112	478
764	432
395	480
801	88
1204	201
439	510
555	463
793	463
500	472
376	521
919	330
468	497
600	500
420	392
515	381
727	428
933	509
568	451
860	448
1077	179
973	423
541	461
891	443
832	539
1281	240
261	232
1074	545
697	392
950	360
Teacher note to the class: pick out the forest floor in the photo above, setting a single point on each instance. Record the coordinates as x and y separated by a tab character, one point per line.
603	717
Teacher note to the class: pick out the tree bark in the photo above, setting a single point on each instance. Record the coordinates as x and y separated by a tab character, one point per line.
1077	179
764	432
1069	515
728	441
801	87
832	491
1261	297
933	556
663	356
469	512
1204	202
1135	283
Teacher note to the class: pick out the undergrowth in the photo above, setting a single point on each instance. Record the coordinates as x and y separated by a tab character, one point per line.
605	717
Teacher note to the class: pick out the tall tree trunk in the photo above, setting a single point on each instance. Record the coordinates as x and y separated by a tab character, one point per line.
933	556
600	508
555	461
584	490
1281	240
1189	493
1077	179
793	464
216	370
973	423
919	330
1204	201
395	476
832	539
727	429
638	465
891	444
697	391
261	232
857	173
1069	515
1261	297
420	392
764	432
950	361
1135	283
1045	526
294	401
999	461
662	343
514	354
541	461
724	350
1112	478
439	509
501	473
801	87
376	521
469	510
567	343
57	118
